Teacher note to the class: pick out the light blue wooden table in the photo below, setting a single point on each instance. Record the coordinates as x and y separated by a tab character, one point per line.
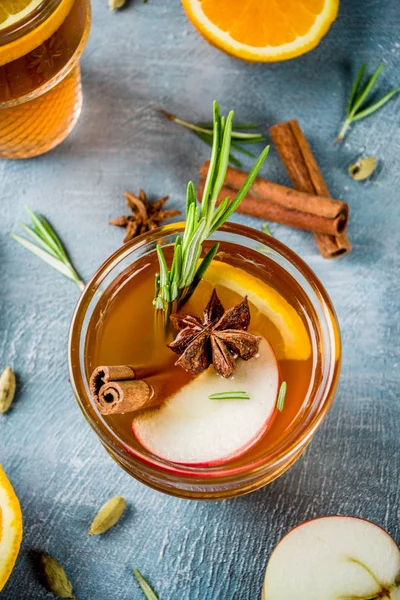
139	59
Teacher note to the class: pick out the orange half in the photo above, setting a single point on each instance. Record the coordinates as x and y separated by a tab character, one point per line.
262	30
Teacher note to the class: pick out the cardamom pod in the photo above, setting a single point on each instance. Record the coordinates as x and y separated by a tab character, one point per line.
55	577
115	4
7	389
363	168
109	514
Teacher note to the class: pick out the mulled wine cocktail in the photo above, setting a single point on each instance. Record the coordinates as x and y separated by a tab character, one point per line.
205	354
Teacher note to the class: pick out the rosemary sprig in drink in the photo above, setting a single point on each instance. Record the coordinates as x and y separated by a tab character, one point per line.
176	284
359	95
47	246
242	134
229	396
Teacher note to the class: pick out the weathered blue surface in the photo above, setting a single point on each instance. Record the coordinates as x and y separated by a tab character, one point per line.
142	58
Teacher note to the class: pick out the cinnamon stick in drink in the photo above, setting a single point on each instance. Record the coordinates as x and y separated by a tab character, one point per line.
273	202
306	176
116	390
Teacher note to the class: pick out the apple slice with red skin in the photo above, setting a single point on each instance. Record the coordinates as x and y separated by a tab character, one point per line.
334	558
191	429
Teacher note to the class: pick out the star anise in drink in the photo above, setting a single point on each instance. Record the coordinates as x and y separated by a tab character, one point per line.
145	215
219	339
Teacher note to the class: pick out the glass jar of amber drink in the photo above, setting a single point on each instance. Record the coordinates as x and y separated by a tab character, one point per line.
41	42
195	444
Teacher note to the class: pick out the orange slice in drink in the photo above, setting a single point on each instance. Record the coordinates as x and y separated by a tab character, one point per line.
262	30
13	11
288	333
10	528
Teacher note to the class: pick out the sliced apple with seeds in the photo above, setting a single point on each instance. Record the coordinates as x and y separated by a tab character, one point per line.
191	429
334	558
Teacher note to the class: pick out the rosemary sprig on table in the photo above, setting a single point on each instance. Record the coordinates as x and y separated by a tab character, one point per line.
178	283
47	246
229	396
359	94
148	592
242	134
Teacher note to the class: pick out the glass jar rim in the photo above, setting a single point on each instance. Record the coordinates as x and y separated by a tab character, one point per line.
287	447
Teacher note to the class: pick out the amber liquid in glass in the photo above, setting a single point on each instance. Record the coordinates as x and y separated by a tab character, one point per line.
122	331
40	103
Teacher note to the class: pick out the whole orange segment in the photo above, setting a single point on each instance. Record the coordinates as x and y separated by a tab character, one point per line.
10	528
262	30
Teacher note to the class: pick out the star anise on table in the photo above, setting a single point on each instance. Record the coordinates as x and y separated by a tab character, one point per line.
221	337
145	215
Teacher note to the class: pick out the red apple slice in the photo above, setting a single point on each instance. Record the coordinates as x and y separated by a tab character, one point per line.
192	429
334	558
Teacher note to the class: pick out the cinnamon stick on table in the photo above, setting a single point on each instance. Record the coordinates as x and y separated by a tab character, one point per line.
273	202
306	176
116	390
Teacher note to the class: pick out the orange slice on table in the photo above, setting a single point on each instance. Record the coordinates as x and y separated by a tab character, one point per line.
262	30
10	528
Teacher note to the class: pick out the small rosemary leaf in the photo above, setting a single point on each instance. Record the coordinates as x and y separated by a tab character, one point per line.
246	126
192	269
207	138
213	160
205	263
174	291
189	227
366	90
266	229
176	277
148	592
247	137
246	186
242	150
108	515
55	577
207	260
192	251
229	396
34	235
371	109
235	161
251	140
165	293
281	396
157	285
363	168
190	195
175	272
7	389
53	235
220	211
44	255
163	267
223	159
41	230
355	87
